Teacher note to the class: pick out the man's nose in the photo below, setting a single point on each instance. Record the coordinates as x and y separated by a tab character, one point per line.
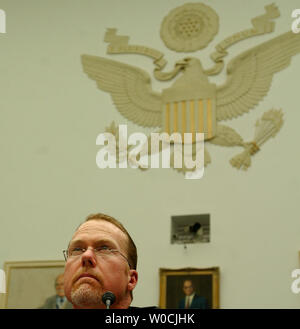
88	258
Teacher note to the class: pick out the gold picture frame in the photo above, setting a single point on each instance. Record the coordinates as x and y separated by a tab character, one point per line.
29	283
206	283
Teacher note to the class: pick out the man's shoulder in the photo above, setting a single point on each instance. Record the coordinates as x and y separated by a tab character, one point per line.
199	297
49	302
51	298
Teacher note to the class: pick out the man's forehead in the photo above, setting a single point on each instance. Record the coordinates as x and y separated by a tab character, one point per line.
97	229
60	278
188	284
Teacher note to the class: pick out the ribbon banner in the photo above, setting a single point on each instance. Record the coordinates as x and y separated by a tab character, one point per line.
120	45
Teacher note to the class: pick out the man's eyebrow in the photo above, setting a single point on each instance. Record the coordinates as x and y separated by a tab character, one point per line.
76	242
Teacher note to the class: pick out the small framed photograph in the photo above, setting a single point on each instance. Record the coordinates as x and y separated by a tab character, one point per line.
190	229
186	288
31	283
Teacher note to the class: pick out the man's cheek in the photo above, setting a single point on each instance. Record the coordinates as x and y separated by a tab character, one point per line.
67	281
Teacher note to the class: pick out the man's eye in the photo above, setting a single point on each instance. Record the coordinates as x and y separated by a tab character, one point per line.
103	248
76	249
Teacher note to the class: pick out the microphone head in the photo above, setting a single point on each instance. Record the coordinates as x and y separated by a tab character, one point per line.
108	296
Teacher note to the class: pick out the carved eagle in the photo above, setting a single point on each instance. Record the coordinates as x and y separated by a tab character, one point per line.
249	77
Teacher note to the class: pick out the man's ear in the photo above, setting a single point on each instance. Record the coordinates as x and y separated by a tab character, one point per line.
133	279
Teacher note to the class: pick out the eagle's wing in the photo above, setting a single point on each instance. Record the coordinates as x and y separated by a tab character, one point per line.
249	75
129	87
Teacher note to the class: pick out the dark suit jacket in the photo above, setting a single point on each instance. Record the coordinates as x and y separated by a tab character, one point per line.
198	302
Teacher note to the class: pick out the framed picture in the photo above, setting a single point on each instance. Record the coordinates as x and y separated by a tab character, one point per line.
189	288
29	284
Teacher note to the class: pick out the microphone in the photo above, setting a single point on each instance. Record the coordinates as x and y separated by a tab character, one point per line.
108	299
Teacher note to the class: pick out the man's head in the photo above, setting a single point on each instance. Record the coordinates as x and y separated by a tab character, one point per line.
101	257
59	285
188	288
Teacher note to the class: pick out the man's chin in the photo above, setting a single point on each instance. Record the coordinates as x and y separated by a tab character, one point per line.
85	295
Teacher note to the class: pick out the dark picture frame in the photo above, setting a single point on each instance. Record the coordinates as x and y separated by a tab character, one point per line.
206	283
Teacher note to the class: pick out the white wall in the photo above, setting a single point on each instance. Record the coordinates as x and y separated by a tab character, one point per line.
51	114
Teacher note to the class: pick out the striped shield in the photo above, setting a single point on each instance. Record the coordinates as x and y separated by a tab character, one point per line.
190	116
